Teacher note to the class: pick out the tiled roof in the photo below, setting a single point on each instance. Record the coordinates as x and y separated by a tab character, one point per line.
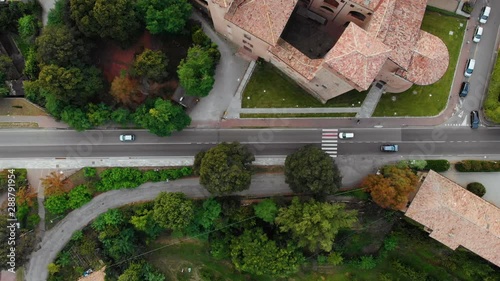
381	19
457	217
430	60
222	3
296	59
357	56
369	4
404	29
265	19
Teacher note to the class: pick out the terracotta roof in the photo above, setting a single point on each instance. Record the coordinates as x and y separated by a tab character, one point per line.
457	217
296	59
265	19
404	29
430	60
369	4
379	22
222	3
357	56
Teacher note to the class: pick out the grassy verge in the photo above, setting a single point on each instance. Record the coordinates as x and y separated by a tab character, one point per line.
269	88
18	125
429	100
295	115
19	107
268	169
492	101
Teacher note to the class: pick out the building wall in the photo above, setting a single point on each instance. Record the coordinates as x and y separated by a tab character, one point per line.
394	83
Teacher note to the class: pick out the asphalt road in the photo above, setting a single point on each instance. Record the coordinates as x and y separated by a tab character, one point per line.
440	141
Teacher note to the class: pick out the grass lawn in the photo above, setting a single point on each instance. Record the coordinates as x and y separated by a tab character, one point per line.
18	125
492	101
19	107
295	115
282	92
429	100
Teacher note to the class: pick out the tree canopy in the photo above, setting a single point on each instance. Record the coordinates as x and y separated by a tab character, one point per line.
162	118
226	168
392	187
59	45
168	16
125	90
312	170
173	210
266	210
196	72
314	225
114	19
151	65
253	252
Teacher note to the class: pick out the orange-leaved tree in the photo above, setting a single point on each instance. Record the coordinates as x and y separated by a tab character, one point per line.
125	90
54	183
392	188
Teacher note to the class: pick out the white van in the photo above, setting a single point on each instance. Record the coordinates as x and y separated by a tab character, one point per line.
469	67
477	34
485	14
345	135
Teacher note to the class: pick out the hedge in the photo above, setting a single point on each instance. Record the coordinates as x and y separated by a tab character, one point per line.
440	165
492	101
478	166
477	188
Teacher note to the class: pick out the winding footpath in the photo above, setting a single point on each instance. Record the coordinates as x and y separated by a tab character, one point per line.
56	238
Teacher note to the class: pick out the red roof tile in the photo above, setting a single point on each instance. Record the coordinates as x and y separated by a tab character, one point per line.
404	29
296	59
381	19
457	217
265	19
430	60
357	56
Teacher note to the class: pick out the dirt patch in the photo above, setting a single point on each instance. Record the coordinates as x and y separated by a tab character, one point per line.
18	125
19	106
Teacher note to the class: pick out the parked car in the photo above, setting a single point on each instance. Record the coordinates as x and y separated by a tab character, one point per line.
389	148
127	137
469	67
474	119
484	14
464	90
344	135
477	34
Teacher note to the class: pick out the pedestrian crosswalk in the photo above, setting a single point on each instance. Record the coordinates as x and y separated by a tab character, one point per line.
329	138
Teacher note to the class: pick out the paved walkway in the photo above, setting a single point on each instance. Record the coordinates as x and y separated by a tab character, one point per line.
302	110
371	101
56	238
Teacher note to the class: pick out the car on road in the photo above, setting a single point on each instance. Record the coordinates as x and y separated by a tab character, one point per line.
469	67
344	135
474	119
484	14
464	89
477	34
389	148
127	137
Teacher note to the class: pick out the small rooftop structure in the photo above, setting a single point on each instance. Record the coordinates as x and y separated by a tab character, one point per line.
457	217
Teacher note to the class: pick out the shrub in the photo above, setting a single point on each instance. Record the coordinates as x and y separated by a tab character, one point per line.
492	101
467	8
477	166
89	172
440	165
367	262
476	188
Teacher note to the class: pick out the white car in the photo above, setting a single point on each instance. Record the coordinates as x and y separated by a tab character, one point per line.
128	137
477	34
469	67
344	135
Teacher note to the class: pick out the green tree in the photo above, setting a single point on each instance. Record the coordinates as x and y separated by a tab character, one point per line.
226	168
266	210
161	16
114	19
6	68
143	220
253	252
31	68
152	65
79	196
113	217
312	170
210	213
57	204
59	15
76	119
173	210
196	72
122	246
314	225
477	188
98	114
132	273
162	118
60	45
392	188
89	172
28	27
121	116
